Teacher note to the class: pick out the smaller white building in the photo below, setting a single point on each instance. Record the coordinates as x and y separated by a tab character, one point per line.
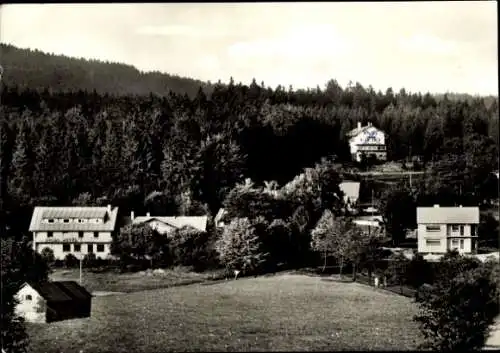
440	229
367	140
52	301
351	193
220	218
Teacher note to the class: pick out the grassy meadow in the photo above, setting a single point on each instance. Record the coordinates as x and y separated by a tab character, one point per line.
275	313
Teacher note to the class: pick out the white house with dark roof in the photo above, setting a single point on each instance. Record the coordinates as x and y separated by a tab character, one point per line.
367	140
440	229
74	230
167	224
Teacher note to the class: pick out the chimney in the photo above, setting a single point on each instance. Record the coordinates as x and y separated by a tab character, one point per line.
436	206
132	215
109	208
359	124
460	206
148	214
370	124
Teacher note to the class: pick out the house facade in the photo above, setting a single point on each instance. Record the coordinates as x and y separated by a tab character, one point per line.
440	229
74	230
52	301
367	140
167	224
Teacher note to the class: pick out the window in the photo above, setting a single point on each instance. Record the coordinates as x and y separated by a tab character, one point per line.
100	247
454	228
49	234
80	234
90	248
461	230
96	234
66	247
77	247
461	244
28	297
50	220
83	220
433	242
66	221
454	242
473	230
433	228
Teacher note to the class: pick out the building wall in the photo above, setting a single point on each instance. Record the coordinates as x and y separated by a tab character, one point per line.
359	143
161	227
32	310
448	238
56	242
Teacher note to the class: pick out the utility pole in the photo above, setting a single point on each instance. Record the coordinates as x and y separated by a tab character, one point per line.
81	262
410	171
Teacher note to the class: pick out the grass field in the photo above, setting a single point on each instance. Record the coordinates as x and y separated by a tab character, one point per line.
111	281
283	312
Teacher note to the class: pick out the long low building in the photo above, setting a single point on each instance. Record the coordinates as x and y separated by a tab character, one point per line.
74	230
167	224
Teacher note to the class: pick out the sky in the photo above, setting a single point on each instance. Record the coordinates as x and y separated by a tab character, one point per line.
421	46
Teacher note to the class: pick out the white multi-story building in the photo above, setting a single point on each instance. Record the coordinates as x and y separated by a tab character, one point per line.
446	228
74	230
367	140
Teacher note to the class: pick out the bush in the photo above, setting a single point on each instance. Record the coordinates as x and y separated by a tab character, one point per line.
48	256
70	261
418	272
456	312
190	247
90	260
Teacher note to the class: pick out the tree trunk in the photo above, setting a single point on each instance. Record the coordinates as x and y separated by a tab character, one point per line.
341	266
354	272
324	265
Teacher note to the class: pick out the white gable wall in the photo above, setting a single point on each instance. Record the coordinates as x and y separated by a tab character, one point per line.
32	310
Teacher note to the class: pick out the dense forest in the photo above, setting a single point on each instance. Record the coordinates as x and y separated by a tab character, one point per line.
85	141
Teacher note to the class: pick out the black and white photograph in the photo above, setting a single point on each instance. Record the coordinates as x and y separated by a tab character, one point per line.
261	176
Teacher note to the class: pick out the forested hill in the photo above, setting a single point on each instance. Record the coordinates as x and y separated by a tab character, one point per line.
34	69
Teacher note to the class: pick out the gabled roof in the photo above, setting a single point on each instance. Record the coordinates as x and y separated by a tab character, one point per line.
350	189
73	289
448	215
50	291
197	222
356	131
60	291
40	213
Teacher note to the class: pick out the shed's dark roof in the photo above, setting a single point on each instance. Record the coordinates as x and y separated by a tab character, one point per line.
50	292
74	290
61	291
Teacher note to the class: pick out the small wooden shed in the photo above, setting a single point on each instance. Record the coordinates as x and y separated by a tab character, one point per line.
53	301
